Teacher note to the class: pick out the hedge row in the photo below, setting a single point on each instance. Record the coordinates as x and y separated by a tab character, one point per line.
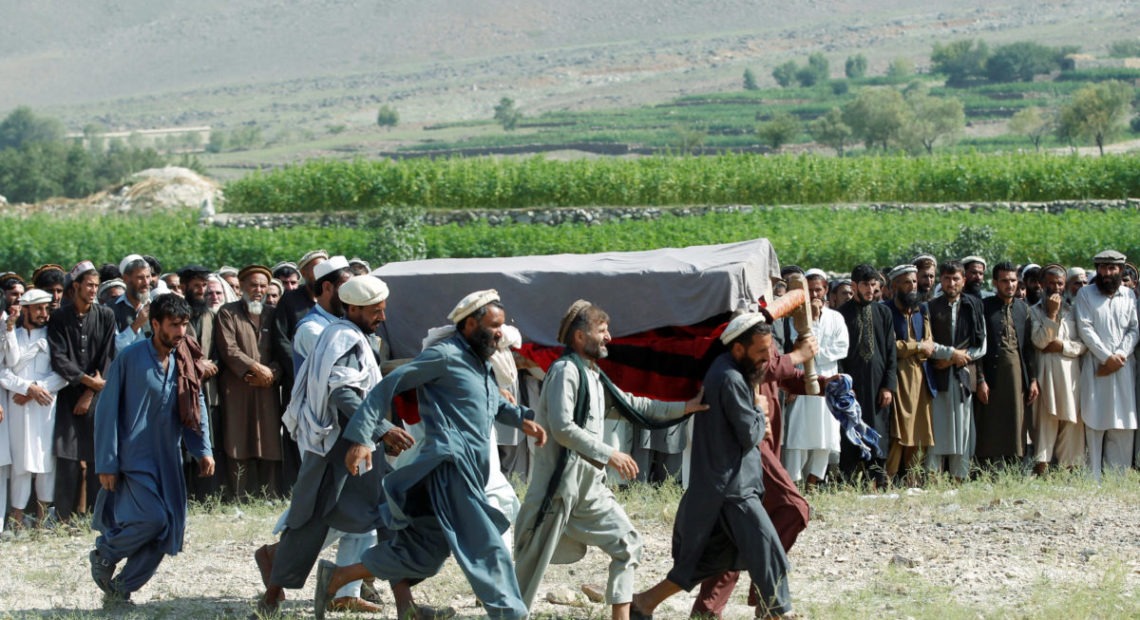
834	239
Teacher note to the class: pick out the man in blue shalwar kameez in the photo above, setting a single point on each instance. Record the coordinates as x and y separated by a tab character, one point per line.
436	505
139	430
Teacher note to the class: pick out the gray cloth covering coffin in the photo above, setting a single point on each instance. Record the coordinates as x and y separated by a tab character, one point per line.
639	290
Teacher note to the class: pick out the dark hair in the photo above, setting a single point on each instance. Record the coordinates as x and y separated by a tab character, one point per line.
790	269
9	283
864	273
48	278
951	267
109	271
1129	269
152	262
285	271
1003	267
592	315
480	313
745	338
167	306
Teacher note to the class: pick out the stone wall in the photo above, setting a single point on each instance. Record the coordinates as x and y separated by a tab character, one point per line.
598	215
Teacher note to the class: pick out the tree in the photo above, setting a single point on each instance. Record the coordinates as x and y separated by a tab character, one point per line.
1095	113
931	119
785	74
1128	48
22	126
1019	62
960	61
387	117
900	68
689	139
507	114
750	80
817	71
856	66
780	129
217	141
876	116
830	130
1033	123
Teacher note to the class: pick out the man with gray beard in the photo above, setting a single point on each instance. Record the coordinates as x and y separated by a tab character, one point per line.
911	431
1107	323
132	316
248	384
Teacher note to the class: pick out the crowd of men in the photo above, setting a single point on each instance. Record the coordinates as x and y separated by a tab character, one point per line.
1038	373
126	390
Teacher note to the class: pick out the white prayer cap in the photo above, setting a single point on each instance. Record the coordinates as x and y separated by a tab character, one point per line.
35	296
1076	272
1027	268
362	290
815	273
512	337
127	260
923	258
471	303
359	261
741	324
227	270
329	266
81	268
901	270
974	259
310	257
283	265
112	283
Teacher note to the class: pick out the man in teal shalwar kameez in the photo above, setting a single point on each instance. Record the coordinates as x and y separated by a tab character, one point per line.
139	430
436	505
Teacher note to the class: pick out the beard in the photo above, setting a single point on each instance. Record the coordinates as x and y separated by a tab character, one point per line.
908	301
753	373
484	342
973	288
198	305
169	343
1110	284
1032	296
596	349
254	307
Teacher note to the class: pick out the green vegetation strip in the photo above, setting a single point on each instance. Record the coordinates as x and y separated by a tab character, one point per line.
834	239
480	183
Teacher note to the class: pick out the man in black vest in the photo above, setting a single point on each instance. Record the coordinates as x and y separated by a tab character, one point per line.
959	332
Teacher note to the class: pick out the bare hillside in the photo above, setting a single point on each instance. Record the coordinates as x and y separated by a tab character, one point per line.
148	63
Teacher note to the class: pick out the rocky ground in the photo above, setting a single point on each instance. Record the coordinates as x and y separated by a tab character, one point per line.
1013	547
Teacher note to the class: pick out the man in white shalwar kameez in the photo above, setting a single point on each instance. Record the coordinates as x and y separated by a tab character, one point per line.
1106	322
31	385
1057	427
959	341
568	505
811	433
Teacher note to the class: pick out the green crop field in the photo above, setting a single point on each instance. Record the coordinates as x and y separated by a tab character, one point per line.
487	183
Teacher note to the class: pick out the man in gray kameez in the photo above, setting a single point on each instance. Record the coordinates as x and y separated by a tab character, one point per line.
327	504
436	505
721	522
568	505
959	341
